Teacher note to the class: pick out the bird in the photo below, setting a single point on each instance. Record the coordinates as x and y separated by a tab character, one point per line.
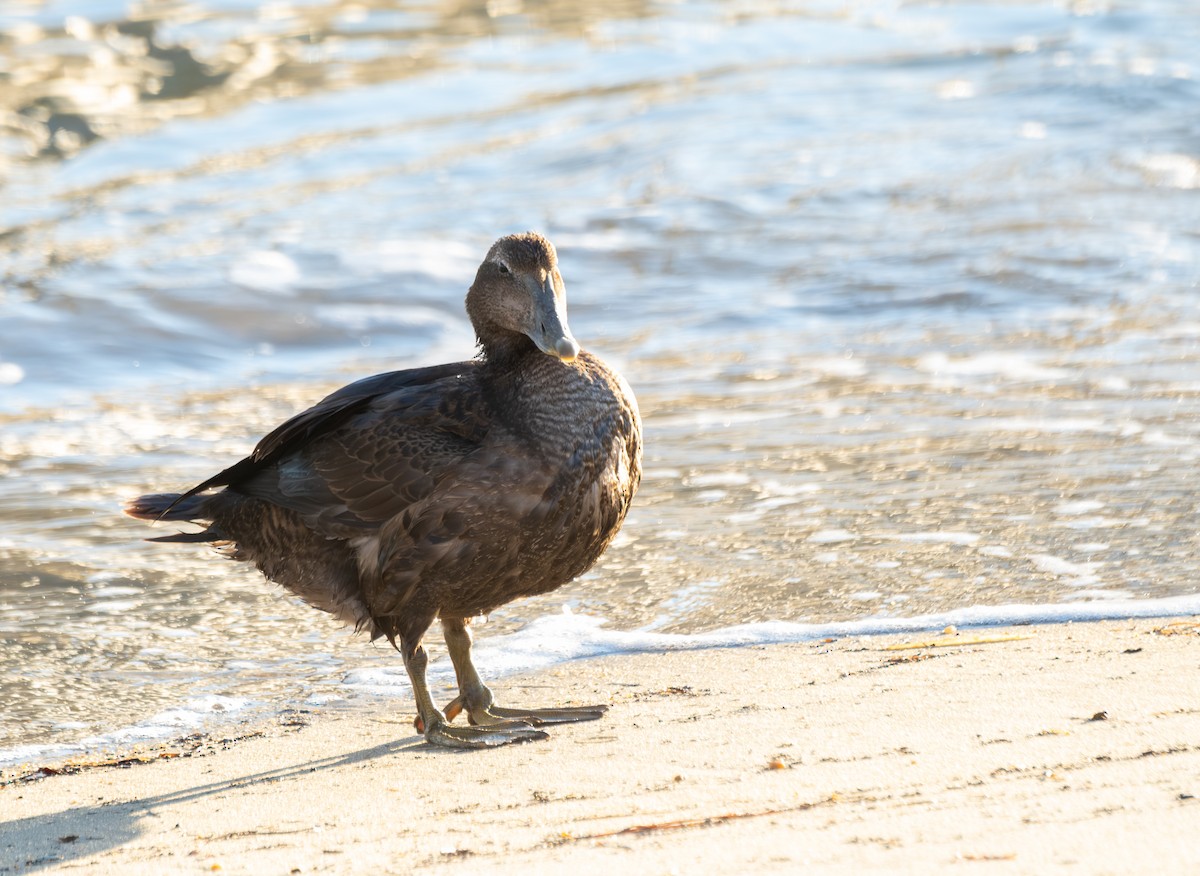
441	493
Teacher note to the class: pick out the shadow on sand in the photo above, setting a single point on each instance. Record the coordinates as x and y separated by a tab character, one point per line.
47	841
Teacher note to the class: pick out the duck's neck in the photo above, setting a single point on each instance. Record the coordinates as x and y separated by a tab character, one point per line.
505	362
504	351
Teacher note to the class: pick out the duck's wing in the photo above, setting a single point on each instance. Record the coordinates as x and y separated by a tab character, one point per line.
366	452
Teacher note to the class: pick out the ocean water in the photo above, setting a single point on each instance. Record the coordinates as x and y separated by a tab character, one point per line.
907	292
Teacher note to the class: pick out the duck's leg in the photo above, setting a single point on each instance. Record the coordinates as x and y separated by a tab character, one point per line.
476	699
433	722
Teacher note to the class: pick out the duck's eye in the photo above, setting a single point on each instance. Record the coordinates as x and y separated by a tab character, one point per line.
504	268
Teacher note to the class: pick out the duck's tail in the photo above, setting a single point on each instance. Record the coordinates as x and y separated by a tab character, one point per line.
173	506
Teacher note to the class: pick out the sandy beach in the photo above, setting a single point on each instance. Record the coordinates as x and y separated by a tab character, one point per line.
1060	748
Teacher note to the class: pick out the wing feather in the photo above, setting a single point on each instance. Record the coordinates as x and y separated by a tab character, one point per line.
365	453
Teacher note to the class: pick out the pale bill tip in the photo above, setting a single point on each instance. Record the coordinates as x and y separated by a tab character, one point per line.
566	349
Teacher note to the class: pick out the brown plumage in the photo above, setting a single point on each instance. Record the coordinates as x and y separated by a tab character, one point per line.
441	492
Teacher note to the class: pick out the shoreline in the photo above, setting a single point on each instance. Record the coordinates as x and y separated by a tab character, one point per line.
544	643
1071	747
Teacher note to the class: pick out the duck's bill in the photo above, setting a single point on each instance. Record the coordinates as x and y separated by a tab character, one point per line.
550	331
563	347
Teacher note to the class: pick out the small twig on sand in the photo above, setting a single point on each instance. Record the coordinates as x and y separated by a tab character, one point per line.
682	823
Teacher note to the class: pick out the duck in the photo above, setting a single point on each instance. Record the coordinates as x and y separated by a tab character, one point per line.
441	493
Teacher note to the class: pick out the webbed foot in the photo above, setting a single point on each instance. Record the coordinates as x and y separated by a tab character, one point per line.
491	736
493	715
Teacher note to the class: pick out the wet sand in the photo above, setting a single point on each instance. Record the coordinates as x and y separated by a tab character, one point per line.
1060	748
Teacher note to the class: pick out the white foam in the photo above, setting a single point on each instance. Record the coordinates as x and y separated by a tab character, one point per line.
266	271
168	724
778	488
176	633
1100	594
361	317
1013	366
831	536
838	366
770	503
115	590
1058	566
117	606
1076	574
1036	425
946	537
438	258
995	550
1173	169
556	638
1159	438
1097	522
719	479
11	373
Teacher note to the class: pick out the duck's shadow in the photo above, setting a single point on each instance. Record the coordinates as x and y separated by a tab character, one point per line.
44	841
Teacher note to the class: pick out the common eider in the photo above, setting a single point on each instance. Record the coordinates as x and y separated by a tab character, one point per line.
441	493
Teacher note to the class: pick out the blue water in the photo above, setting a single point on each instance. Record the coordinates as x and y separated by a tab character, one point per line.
907	293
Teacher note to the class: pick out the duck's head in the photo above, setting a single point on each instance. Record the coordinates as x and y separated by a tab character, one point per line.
518	293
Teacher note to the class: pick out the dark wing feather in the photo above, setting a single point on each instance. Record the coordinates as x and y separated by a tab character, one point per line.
379	458
272	454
